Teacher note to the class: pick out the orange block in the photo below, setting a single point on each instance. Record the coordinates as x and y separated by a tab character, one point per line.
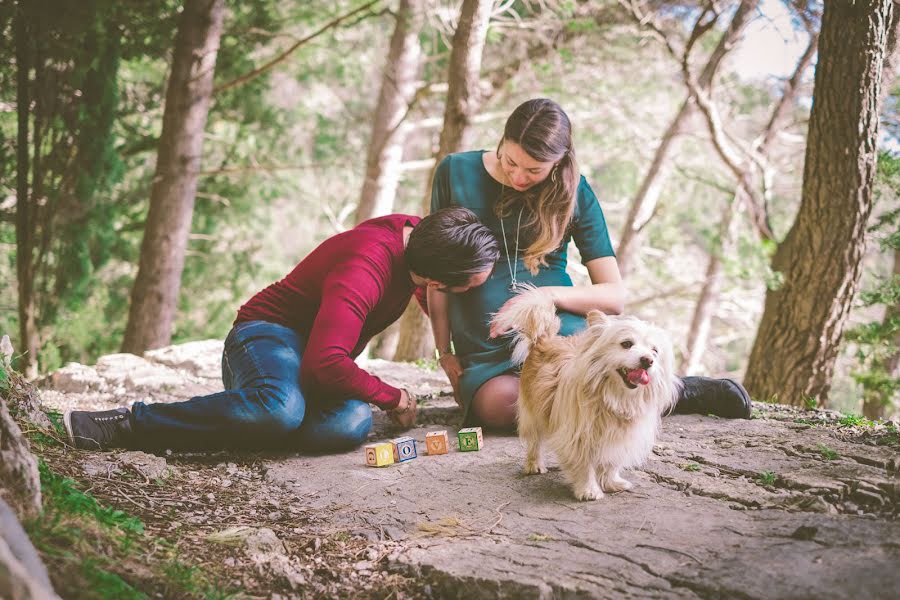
437	442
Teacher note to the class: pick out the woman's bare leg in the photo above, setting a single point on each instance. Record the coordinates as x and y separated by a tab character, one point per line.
496	402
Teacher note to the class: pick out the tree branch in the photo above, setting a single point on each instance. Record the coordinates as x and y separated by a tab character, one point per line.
284	55
726	151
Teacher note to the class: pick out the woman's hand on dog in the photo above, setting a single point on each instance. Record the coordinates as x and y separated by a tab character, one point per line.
453	369
405	413
496	329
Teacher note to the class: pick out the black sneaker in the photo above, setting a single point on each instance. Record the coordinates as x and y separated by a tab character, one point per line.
98	430
706	396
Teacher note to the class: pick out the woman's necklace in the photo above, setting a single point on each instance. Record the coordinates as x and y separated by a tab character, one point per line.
512	263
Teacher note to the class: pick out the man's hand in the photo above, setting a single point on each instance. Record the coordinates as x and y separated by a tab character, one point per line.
405	413
454	371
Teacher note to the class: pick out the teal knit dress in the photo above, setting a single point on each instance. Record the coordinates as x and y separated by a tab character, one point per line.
462	180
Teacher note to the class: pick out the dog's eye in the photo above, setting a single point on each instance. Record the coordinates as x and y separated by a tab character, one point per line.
655	351
627	344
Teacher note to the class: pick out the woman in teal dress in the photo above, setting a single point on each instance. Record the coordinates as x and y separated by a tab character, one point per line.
530	193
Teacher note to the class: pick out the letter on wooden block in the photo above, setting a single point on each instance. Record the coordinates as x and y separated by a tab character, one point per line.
404	448
379	455
470	439
436	442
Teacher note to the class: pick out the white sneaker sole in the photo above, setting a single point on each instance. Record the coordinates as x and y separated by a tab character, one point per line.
67	423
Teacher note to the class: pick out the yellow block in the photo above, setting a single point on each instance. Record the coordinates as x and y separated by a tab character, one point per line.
379	455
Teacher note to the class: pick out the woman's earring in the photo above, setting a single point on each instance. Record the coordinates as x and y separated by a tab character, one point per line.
553	174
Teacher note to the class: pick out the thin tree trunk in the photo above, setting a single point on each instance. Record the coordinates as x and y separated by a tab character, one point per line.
698	333
154	298
28	334
463	101
389	127
644	203
797	343
701	322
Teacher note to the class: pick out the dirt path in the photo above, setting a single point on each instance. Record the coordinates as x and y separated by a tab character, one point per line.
789	504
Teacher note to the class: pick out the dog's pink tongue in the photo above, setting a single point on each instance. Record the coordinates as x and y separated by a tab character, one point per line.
638	377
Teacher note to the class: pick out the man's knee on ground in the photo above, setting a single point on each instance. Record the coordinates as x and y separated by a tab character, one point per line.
356	423
281	409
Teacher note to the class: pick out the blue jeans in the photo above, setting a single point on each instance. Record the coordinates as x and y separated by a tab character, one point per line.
262	405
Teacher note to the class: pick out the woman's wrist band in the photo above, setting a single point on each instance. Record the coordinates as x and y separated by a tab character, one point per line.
439	354
410	399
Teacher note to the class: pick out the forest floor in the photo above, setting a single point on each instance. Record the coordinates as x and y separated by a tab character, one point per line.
792	503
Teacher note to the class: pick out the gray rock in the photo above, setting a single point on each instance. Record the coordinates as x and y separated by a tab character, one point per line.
23	575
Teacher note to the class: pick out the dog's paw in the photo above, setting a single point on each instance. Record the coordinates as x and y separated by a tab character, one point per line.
535	468
589	493
617	485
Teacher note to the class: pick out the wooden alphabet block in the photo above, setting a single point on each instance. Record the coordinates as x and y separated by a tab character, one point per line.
404	448
470	439
437	442
379	455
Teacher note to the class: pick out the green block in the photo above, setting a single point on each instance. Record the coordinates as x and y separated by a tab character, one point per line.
470	439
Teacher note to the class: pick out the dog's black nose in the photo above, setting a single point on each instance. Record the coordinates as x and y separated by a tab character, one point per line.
646	362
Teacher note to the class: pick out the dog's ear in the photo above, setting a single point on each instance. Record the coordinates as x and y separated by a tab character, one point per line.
596	317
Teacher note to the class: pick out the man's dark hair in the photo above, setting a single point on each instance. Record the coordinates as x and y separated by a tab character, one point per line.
450	246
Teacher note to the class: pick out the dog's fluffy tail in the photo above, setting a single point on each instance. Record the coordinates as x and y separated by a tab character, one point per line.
531	317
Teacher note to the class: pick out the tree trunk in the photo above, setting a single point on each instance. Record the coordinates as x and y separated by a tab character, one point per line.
463	101
797	343
389	128
644	203
709	294
154	298
28	334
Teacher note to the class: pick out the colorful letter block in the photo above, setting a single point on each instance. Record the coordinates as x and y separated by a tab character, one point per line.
404	448
470	439
379	455
436	442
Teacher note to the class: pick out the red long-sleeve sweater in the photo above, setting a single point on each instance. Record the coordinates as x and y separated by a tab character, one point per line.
350	288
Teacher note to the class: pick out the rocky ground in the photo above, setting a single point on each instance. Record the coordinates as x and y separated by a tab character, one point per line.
790	504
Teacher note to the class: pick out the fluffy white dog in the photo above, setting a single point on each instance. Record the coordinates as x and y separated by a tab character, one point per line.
595	397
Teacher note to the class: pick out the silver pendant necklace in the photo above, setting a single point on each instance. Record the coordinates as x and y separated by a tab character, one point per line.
512	263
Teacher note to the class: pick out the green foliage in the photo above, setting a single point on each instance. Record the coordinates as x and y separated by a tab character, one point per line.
66	498
828	453
691	466
875	341
855	421
767	477
95	549
429	364
810	403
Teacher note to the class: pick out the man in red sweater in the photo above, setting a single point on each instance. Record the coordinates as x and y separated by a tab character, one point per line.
288	368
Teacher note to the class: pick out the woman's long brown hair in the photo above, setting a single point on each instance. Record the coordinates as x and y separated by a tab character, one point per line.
543	131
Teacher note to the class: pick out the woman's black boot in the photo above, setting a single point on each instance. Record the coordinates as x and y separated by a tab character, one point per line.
707	396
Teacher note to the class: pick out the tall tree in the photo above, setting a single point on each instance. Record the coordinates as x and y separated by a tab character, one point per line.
188	98
66	98
389	127
463	101
24	263
797	342
644	203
